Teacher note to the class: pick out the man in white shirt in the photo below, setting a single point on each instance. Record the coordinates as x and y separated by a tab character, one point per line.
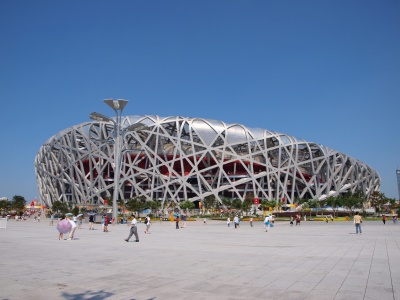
236	221
133	230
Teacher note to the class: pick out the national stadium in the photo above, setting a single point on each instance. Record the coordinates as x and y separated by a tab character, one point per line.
179	158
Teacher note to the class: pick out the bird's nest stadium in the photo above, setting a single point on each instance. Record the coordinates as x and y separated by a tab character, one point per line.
178	158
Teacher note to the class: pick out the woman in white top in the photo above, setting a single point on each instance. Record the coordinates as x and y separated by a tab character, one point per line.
267	222
72	231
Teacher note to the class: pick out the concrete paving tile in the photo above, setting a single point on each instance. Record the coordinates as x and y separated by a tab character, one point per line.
330	283
354	283
396	293
350	294
291	294
375	292
321	294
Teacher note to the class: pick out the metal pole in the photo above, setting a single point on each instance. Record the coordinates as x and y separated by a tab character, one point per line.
117	166
118	107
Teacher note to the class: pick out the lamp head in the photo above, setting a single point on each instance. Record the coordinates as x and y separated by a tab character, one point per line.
137	127
117	105
99	117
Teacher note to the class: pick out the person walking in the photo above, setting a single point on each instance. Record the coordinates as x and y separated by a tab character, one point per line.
91	222
102	222
298	219
357	222
251	222
228	222
60	235
236	221
291	220
184	218
267	222
133	230
147	222
73	228
180	221
384	219
177	222
52	220
80	221
106	222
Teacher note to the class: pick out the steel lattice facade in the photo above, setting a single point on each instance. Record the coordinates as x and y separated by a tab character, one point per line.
178	158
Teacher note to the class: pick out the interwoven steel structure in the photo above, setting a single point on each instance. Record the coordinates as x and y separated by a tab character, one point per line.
177	158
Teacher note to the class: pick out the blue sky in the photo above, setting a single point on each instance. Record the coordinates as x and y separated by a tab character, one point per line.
324	71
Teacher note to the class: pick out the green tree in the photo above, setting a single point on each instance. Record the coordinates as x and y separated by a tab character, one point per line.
186	205
305	206
377	200
154	205
75	210
227	202
137	204
267	204
248	202
363	201
319	205
237	204
70	205
18	203
312	203
264	205
5	206
335	203
278	206
299	201
121	203
209	202
352	202
59	207
393	204
218	205
271	204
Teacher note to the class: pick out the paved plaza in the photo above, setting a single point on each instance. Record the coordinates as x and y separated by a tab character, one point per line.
313	261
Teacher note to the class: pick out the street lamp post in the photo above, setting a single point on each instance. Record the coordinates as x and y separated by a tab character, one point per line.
117	106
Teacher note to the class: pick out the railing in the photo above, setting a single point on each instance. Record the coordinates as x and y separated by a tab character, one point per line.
3	223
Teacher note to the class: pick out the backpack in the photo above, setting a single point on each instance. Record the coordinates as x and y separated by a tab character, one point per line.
146	221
